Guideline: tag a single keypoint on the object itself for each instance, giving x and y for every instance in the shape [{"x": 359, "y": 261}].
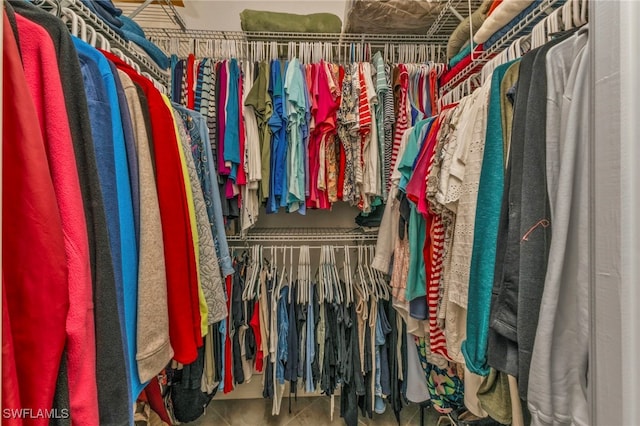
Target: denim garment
[
  {"x": 293, "y": 343},
  {"x": 223, "y": 332},
  {"x": 311, "y": 342},
  {"x": 381, "y": 340},
  {"x": 283, "y": 332},
  {"x": 418, "y": 308}
]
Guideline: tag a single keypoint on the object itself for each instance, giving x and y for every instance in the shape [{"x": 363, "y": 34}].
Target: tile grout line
[
  {"x": 219, "y": 415},
  {"x": 410, "y": 421},
  {"x": 302, "y": 411}
]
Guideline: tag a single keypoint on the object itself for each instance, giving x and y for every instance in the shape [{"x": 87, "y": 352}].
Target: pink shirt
[{"x": 41, "y": 65}]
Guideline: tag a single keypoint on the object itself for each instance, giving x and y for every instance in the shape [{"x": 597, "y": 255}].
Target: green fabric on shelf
[{"x": 256, "y": 20}]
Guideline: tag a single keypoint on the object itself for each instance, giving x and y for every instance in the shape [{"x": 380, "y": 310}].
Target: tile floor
[{"x": 310, "y": 411}]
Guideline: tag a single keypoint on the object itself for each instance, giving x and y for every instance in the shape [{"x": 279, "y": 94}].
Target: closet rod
[
  {"x": 304, "y": 234},
  {"x": 83, "y": 12},
  {"x": 243, "y": 50},
  {"x": 168, "y": 33},
  {"x": 310, "y": 247},
  {"x": 523, "y": 27}
]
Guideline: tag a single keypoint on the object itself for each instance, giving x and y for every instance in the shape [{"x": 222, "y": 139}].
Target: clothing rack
[
  {"x": 204, "y": 43},
  {"x": 521, "y": 28},
  {"x": 123, "y": 47},
  {"x": 304, "y": 235}
]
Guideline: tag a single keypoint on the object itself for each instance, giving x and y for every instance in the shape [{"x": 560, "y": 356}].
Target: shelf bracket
[{"x": 456, "y": 13}]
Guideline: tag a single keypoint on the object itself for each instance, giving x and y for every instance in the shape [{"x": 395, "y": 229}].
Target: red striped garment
[
  {"x": 364, "y": 119},
  {"x": 402, "y": 119},
  {"x": 434, "y": 256}
]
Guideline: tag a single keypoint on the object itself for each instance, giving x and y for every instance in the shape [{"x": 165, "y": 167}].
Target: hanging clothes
[{"x": 35, "y": 211}]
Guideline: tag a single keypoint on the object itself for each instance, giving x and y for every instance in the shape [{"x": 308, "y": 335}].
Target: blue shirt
[
  {"x": 232, "y": 128},
  {"x": 278, "y": 140},
  {"x": 99, "y": 113},
  {"x": 128, "y": 244}
]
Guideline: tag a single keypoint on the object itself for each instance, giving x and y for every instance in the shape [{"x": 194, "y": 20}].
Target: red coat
[{"x": 34, "y": 266}]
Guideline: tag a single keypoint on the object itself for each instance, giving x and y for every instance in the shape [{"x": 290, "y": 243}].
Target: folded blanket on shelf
[
  {"x": 501, "y": 16},
  {"x": 501, "y": 32},
  {"x": 255, "y": 20}
]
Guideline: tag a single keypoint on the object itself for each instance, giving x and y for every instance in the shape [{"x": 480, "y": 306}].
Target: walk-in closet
[{"x": 358, "y": 212}]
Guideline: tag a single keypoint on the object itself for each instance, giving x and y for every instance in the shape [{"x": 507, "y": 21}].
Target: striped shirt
[
  {"x": 434, "y": 255},
  {"x": 402, "y": 118},
  {"x": 389, "y": 119}
]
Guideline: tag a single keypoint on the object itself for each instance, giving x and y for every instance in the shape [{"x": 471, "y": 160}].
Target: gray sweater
[{"x": 153, "y": 350}]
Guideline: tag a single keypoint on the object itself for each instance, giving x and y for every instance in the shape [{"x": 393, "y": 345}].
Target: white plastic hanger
[
  {"x": 347, "y": 274},
  {"x": 335, "y": 277},
  {"x": 566, "y": 13},
  {"x": 361, "y": 275},
  {"x": 584, "y": 12},
  {"x": 104, "y": 43},
  {"x": 383, "y": 288}
]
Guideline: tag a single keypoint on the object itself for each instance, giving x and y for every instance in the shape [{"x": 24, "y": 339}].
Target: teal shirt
[
  {"x": 296, "y": 105},
  {"x": 417, "y": 275},
  {"x": 485, "y": 236}
]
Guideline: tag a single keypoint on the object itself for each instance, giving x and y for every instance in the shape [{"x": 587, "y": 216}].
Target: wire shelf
[
  {"x": 297, "y": 235},
  {"x": 224, "y": 44},
  {"x": 447, "y": 21},
  {"x": 291, "y": 36},
  {"x": 129, "y": 48},
  {"x": 522, "y": 28},
  {"x": 158, "y": 13}
]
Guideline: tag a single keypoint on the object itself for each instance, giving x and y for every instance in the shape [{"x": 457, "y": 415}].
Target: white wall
[
  {"x": 615, "y": 369},
  {"x": 224, "y": 15}
]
